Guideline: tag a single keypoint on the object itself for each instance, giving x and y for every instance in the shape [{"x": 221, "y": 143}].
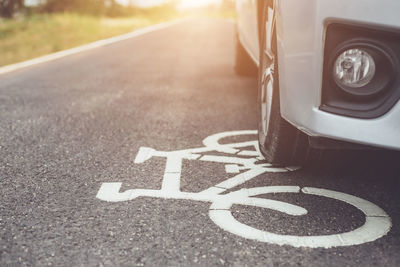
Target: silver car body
[{"x": 301, "y": 27}]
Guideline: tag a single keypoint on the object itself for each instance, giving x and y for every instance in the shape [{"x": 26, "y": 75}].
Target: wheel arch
[{"x": 260, "y": 6}]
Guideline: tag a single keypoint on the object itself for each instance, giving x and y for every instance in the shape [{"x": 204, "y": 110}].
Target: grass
[
  {"x": 41, "y": 34},
  {"x": 29, "y": 37},
  {"x": 226, "y": 14}
]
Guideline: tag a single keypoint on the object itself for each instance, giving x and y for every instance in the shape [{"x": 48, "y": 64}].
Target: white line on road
[{"x": 79, "y": 49}]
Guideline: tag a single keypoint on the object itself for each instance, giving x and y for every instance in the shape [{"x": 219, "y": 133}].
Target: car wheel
[{"x": 280, "y": 142}]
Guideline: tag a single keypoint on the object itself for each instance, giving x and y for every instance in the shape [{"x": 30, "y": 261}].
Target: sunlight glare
[
  {"x": 184, "y": 4},
  {"x": 196, "y": 3}
]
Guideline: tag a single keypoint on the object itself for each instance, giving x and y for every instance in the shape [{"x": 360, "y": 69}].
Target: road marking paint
[
  {"x": 171, "y": 182},
  {"x": 248, "y": 153},
  {"x": 365, "y": 206},
  {"x": 232, "y": 168},
  {"x": 90, "y": 46},
  {"x": 144, "y": 154},
  {"x": 174, "y": 164},
  {"x": 280, "y": 206},
  {"x": 213, "y": 141},
  {"x": 377, "y": 223},
  {"x": 215, "y": 190},
  {"x": 241, "y": 178}
]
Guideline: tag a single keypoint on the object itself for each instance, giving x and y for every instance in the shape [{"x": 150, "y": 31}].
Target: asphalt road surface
[{"x": 70, "y": 125}]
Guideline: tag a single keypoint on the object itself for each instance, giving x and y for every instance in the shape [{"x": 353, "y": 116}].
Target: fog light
[{"x": 354, "y": 68}]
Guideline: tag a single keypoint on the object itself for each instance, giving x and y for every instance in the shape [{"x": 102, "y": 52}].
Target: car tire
[
  {"x": 244, "y": 65},
  {"x": 280, "y": 143}
]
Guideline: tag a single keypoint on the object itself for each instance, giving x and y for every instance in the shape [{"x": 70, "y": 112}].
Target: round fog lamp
[{"x": 354, "y": 68}]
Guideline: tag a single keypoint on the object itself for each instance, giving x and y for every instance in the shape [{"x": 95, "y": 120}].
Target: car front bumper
[{"x": 301, "y": 29}]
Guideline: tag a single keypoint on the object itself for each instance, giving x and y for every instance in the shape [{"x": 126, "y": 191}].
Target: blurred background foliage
[
  {"x": 111, "y": 8},
  {"x": 28, "y": 31},
  {"x": 9, "y": 7}
]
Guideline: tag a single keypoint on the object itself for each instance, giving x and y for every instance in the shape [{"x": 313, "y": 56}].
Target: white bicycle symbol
[{"x": 244, "y": 164}]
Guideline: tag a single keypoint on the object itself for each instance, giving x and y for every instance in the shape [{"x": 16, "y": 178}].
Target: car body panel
[{"x": 248, "y": 26}]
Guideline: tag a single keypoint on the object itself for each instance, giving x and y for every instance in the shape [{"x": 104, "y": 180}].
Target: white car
[{"x": 328, "y": 72}]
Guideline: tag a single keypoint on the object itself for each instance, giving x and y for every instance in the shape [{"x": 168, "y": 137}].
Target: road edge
[{"x": 89, "y": 46}]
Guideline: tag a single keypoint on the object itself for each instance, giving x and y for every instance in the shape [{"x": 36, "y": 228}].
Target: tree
[
  {"x": 93, "y": 7},
  {"x": 9, "y": 7}
]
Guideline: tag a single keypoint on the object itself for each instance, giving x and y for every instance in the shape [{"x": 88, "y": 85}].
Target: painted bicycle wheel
[{"x": 377, "y": 222}]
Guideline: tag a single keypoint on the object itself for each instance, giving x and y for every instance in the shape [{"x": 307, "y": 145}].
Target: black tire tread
[{"x": 284, "y": 144}]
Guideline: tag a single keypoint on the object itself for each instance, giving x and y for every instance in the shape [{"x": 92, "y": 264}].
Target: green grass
[{"x": 41, "y": 34}]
